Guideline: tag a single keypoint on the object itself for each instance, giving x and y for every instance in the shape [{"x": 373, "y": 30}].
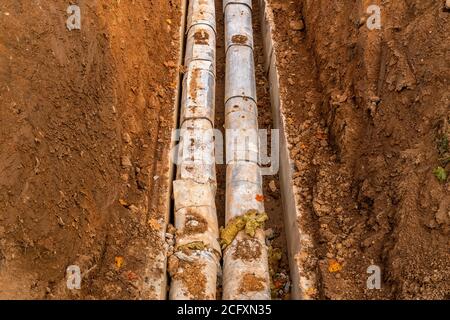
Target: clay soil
[
  {"x": 367, "y": 115},
  {"x": 85, "y": 134},
  {"x": 85, "y": 130}
]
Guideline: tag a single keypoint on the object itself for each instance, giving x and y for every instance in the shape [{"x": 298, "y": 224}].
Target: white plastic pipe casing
[
  {"x": 201, "y": 12},
  {"x": 195, "y": 214},
  {"x": 198, "y": 97},
  {"x": 241, "y": 137},
  {"x": 246, "y": 2},
  {"x": 238, "y": 26},
  {"x": 195, "y": 275},
  {"x": 244, "y": 184},
  {"x": 246, "y": 270},
  {"x": 195, "y": 264},
  {"x": 188, "y": 194},
  {"x": 241, "y": 104},
  {"x": 196, "y": 159},
  {"x": 240, "y": 73},
  {"x": 246, "y": 267},
  {"x": 197, "y": 224},
  {"x": 201, "y": 45},
  {"x": 194, "y": 271}
]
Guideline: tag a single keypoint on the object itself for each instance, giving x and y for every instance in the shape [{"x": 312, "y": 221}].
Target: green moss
[
  {"x": 440, "y": 174},
  {"x": 196, "y": 245}
]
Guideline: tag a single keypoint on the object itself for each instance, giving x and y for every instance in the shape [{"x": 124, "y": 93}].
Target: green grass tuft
[{"x": 440, "y": 174}]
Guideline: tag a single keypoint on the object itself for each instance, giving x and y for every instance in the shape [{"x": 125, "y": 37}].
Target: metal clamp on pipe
[
  {"x": 248, "y": 3},
  {"x": 240, "y": 73},
  {"x": 201, "y": 12},
  {"x": 238, "y": 21}
]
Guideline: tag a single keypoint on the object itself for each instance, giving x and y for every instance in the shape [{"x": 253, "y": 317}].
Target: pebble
[
  {"x": 126, "y": 138},
  {"x": 297, "y": 25},
  {"x": 270, "y": 234},
  {"x": 273, "y": 186},
  {"x": 126, "y": 162},
  {"x": 169, "y": 236}
]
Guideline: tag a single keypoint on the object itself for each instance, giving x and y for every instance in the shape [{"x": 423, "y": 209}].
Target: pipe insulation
[
  {"x": 195, "y": 264},
  {"x": 246, "y": 269}
]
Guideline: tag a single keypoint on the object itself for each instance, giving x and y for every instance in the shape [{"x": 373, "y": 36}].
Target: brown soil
[
  {"x": 201, "y": 37},
  {"x": 239, "y": 39},
  {"x": 85, "y": 131},
  {"x": 251, "y": 283},
  {"x": 195, "y": 223},
  {"x": 247, "y": 250},
  {"x": 271, "y": 185},
  {"x": 365, "y": 110},
  {"x": 192, "y": 277},
  {"x": 219, "y": 121},
  {"x": 85, "y": 126}
]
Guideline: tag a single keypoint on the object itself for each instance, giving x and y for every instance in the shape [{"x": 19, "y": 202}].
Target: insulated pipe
[
  {"x": 240, "y": 72},
  {"x": 246, "y": 269},
  {"x": 195, "y": 263},
  {"x": 238, "y": 19}
]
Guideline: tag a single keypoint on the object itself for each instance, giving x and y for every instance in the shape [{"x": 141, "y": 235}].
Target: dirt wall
[
  {"x": 368, "y": 113},
  {"x": 85, "y": 130}
]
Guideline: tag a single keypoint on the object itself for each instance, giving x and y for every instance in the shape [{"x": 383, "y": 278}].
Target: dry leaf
[
  {"x": 334, "y": 266},
  {"x": 118, "y": 262},
  {"x": 259, "y": 197}
]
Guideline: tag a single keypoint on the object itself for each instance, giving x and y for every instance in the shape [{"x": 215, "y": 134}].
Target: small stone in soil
[{"x": 297, "y": 25}]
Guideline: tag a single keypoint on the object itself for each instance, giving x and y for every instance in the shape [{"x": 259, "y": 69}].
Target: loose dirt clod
[
  {"x": 192, "y": 277},
  {"x": 239, "y": 39},
  {"x": 251, "y": 283},
  {"x": 195, "y": 223},
  {"x": 201, "y": 37},
  {"x": 247, "y": 250}
]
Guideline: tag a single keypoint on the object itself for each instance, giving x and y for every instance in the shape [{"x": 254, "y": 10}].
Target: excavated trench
[
  {"x": 86, "y": 135},
  {"x": 275, "y": 237}
]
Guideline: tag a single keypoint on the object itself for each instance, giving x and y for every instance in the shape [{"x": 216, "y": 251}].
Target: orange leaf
[
  {"x": 334, "y": 266},
  {"x": 259, "y": 197},
  {"x": 118, "y": 261}
]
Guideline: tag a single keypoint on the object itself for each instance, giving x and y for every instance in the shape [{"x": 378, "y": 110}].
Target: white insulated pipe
[
  {"x": 195, "y": 264},
  {"x": 246, "y": 269}
]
